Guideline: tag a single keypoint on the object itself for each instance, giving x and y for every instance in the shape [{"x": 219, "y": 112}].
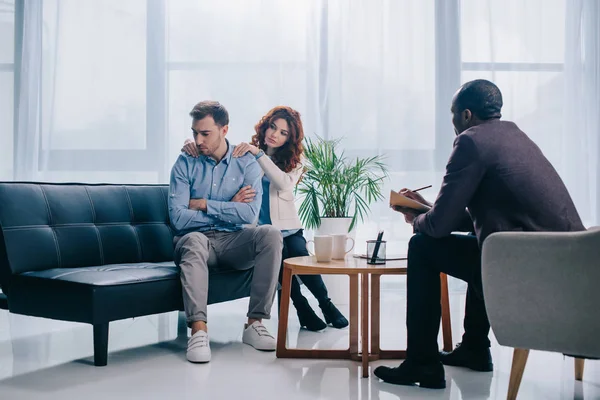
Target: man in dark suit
[{"x": 496, "y": 179}]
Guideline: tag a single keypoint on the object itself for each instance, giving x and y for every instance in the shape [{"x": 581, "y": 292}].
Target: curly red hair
[{"x": 288, "y": 156}]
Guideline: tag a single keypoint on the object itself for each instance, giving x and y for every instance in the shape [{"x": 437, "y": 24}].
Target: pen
[
  {"x": 424, "y": 187},
  {"x": 376, "y": 249}
]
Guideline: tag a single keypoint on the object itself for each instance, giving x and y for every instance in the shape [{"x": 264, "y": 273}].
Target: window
[
  {"x": 522, "y": 50},
  {"x": 94, "y": 89},
  {"x": 250, "y": 56},
  {"x": 97, "y": 72}
]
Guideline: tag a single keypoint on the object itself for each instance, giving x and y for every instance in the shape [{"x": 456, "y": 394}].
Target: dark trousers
[
  {"x": 295, "y": 246},
  {"x": 458, "y": 256}
]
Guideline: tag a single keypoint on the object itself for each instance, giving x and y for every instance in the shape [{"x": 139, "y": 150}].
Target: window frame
[{"x": 150, "y": 159}]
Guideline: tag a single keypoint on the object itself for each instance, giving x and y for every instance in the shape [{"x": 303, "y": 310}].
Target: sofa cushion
[
  {"x": 115, "y": 274},
  {"x": 111, "y": 292}
]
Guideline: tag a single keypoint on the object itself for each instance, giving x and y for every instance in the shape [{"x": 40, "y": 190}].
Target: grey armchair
[{"x": 542, "y": 292}]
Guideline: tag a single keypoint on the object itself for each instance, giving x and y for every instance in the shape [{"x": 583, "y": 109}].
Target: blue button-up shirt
[{"x": 203, "y": 178}]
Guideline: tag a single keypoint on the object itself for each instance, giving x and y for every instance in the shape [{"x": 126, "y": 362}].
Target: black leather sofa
[{"x": 94, "y": 253}]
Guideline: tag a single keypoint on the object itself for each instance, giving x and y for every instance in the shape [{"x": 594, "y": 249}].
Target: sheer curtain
[
  {"x": 106, "y": 87},
  {"x": 7, "y": 76},
  {"x": 581, "y": 129},
  {"x": 544, "y": 55}
]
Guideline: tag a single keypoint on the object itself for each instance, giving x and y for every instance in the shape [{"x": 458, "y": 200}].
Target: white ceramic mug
[
  {"x": 323, "y": 247},
  {"x": 339, "y": 246}
]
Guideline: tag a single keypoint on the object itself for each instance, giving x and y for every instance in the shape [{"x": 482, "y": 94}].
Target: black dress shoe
[
  {"x": 333, "y": 316},
  {"x": 477, "y": 359},
  {"x": 429, "y": 376},
  {"x": 308, "y": 319}
]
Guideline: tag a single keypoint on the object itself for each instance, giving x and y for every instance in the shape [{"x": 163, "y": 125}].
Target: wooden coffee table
[{"x": 354, "y": 268}]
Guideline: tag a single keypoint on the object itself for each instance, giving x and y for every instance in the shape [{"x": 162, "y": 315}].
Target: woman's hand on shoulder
[
  {"x": 190, "y": 148},
  {"x": 244, "y": 148}
]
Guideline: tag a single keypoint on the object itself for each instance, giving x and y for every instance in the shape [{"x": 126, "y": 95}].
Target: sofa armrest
[{"x": 542, "y": 290}]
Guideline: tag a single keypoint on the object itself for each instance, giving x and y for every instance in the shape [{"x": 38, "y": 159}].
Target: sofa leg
[
  {"x": 100, "y": 344},
  {"x": 182, "y": 328},
  {"x": 579, "y": 363},
  {"x": 516, "y": 372}
]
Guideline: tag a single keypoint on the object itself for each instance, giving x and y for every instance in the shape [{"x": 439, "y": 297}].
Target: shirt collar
[{"x": 226, "y": 158}]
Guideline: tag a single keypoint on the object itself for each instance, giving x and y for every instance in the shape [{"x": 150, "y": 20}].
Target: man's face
[{"x": 208, "y": 135}]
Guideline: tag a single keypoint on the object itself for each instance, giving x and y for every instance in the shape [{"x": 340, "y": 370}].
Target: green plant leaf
[{"x": 334, "y": 186}]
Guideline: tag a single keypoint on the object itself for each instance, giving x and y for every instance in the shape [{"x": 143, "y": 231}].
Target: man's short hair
[
  {"x": 211, "y": 108},
  {"x": 481, "y": 97}
]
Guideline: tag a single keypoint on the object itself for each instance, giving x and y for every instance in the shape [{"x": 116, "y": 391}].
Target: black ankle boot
[
  {"x": 333, "y": 316},
  {"x": 429, "y": 376},
  {"x": 308, "y": 319}
]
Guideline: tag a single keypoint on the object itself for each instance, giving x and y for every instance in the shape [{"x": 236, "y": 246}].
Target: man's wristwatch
[{"x": 259, "y": 154}]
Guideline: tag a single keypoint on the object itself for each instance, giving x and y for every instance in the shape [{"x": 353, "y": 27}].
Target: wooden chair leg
[
  {"x": 446, "y": 321},
  {"x": 579, "y": 363},
  {"x": 516, "y": 372}
]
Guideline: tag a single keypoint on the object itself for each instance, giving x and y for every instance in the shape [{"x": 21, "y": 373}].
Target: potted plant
[{"x": 337, "y": 191}]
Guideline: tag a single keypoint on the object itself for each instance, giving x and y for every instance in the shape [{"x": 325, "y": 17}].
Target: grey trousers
[{"x": 259, "y": 247}]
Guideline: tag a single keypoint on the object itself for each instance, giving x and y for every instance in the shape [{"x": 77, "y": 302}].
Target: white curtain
[
  {"x": 544, "y": 57},
  {"x": 31, "y": 159},
  {"x": 581, "y": 129},
  {"x": 7, "y": 76},
  {"x": 118, "y": 79}
]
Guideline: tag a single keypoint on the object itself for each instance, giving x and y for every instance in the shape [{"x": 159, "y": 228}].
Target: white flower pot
[{"x": 338, "y": 286}]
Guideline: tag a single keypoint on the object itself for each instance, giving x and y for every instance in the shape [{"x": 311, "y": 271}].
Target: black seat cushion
[
  {"x": 113, "y": 274},
  {"x": 113, "y": 292}
]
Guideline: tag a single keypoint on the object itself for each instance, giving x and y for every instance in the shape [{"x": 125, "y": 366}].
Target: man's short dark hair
[
  {"x": 481, "y": 97},
  {"x": 211, "y": 108}
]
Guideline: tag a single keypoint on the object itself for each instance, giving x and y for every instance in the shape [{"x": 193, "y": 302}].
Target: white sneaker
[
  {"x": 198, "y": 350},
  {"x": 257, "y": 336}
]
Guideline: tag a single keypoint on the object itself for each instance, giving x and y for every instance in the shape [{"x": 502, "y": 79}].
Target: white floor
[{"x": 44, "y": 359}]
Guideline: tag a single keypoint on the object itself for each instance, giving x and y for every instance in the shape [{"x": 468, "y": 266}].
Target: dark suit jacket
[{"x": 505, "y": 183}]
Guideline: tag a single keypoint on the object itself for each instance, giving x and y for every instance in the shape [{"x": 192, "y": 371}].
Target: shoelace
[{"x": 262, "y": 331}]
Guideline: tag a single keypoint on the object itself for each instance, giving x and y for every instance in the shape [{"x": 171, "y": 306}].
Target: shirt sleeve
[
  {"x": 181, "y": 217},
  {"x": 464, "y": 172},
  {"x": 235, "y": 212}
]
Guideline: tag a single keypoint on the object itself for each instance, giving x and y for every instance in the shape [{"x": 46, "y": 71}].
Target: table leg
[
  {"x": 286, "y": 290},
  {"x": 354, "y": 296},
  {"x": 375, "y": 313},
  {"x": 446, "y": 322},
  {"x": 376, "y": 352},
  {"x": 365, "y": 324}
]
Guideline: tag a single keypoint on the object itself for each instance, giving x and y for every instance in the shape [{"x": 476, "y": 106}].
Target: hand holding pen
[{"x": 412, "y": 194}]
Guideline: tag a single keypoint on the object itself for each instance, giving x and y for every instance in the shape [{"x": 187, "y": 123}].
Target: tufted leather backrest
[{"x": 48, "y": 225}]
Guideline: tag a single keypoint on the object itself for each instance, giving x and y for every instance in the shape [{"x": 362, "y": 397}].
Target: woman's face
[{"x": 277, "y": 133}]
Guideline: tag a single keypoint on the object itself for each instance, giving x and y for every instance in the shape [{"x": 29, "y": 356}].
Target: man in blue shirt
[{"x": 210, "y": 199}]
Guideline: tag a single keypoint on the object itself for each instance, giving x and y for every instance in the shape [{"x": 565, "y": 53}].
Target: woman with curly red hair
[{"x": 277, "y": 146}]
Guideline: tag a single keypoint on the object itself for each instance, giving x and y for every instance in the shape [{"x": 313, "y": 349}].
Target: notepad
[{"x": 399, "y": 200}]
